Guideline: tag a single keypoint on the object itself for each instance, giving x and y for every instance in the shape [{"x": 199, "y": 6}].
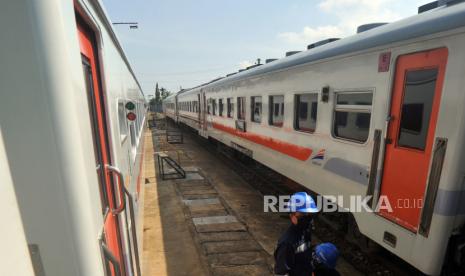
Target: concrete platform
[{"x": 211, "y": 223}]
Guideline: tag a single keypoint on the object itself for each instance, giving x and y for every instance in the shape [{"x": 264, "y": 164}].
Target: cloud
[
  {"x": 310, "y": 34},
  {"x": 244, "y": 64},
  {"x": 348, "y": 15},
  {"x": 330, "y": 5}
]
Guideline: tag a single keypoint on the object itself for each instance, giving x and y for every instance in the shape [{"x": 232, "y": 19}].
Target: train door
[
  {"x": 204, "y": 111},
  {"x": 199, "y": 113},
  {"x": 111, "y": 239},
  {"x": 414, "y": 110},
  {"x": 176, "y": 116},
  {"x": 203, "y": 114}
]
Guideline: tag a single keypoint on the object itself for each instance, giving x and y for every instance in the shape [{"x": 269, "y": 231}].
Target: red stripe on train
[{"x": 297, "y": 152}]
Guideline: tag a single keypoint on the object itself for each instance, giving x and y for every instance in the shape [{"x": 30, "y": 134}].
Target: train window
[
  {"x": 352, "y": 115},
  {"x": 306, "y": 109},
  {"x": 230, "y": 102},
  {"x": 220, "y": 106},
  {"x": 209, "y": 106},
  {"x": 241, "y": 108},
  {"x": 137, "y": 118},
  {"x": 132, "y": 131},
  {"x": 214, "y": 106},
  {"x": 256, "y": 106},
  {"x": 123, "y": 127},
  {"x": 276, "y": 114},
  {"x": 416, "y": 108}
]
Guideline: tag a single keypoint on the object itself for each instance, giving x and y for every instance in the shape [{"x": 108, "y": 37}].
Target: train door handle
[{"x": 122, "y": 199}]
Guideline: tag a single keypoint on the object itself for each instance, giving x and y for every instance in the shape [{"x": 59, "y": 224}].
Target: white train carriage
[
  {"x": 71, "y": 116},
  {"x": 379, "y": 113},
  {"x": 169, "y": 106}
]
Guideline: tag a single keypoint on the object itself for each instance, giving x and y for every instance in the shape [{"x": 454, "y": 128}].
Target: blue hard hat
[
  {"x": 303, "y": 203},
  {"x": 327, "y": 254}
]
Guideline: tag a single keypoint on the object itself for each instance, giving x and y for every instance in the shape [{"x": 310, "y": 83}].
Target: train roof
[{"x": 438, "y": 20}]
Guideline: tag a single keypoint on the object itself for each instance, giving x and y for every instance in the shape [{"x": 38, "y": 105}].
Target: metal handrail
[
  {"x": 122, "y": 199},
  {"x": 123, "y": 192},
  {"x": 133, "y": 231},
  {"x": 110, "y": 257}
]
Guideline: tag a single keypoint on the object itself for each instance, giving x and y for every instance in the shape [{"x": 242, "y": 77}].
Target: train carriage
[
  {"x": 376, "y": 114},
  {"x": 71, "y": 116}
]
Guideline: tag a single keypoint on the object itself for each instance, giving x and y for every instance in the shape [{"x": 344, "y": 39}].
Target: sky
[{"x": 184, "y": 43}]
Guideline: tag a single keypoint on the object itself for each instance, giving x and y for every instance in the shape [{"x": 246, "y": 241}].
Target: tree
[
  {"x": 164, "y": 93},
  {"x": 157, "y": 94}
]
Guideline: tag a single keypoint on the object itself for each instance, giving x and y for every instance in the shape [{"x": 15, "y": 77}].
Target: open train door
[
  {"x": 111, "y": 239},
  {"x": 414, "y": 111}
]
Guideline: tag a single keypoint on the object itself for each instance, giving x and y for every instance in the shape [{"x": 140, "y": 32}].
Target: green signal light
[{"x": 130, "y": 106}]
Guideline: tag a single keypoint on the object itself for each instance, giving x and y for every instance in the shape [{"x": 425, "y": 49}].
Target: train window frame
[
  {"x": 241, "y": 106},
  {"x": 122, "y": 122},
  {"x": 296, "y": 104},
  {"x": 214, "y": 107},
  {"x": 230, "y": 107},
  {"x": 220, "y": 107},
  {"x": 271, "y": 110},
  {"x": 352, "y": 108},
  {"x": 252, "y": 109}
]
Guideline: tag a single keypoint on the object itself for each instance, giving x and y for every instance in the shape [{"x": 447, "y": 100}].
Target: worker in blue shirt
[{"x": 293, "y": 255}]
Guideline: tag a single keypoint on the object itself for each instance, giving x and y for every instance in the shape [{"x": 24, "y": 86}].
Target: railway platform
[{"x": 211, "y": 222}]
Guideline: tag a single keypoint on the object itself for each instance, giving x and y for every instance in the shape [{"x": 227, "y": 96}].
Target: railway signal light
[
  {"x": 130, "y": 106},
  {"x": 131, "y": 116}
]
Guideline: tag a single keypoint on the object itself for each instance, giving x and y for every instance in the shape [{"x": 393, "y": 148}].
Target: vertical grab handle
[
  {"x": 122, "y": 199},
  {"x": 108, "y": 256}
]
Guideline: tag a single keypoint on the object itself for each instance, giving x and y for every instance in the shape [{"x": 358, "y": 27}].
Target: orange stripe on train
[{"x": 297, "y": 152}]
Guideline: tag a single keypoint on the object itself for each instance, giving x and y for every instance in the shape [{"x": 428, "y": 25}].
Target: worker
[
  {"x": 293, "y": 253},
  {"x": 324, "y": 259}
]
